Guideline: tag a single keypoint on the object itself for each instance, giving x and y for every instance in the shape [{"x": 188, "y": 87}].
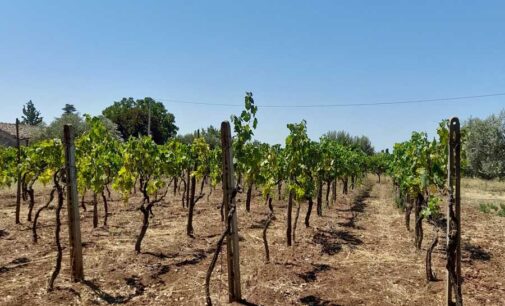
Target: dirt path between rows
[
  {"x": 386, "y": 269},
  {"x": 377, "y": 263}
]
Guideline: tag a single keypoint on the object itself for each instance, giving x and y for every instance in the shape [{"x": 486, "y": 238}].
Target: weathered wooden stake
[
  {"x": 74, "y": 227},
  {"x": 453, "y": 284},
  {"x": 18, "y": 193},
  {"x": 233, "y": 258}
]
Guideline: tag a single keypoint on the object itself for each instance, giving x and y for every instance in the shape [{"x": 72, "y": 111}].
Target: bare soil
[{"x": 358, "y": 253}]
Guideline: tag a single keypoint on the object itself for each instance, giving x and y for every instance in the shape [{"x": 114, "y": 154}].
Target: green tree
[
  {"x": 55, "y": 128},
  {"x": 341, "y": 137},
  {"x": 31, "y": 115},
  {"x": 211, "y": 135},
  {"x": 132, "y": 116},
  {"x": 363, "y": 143},
  {"x": 485, "y": 146},
  {"x": 356, "y": 142},
  {"x": 69, "y": 109}
]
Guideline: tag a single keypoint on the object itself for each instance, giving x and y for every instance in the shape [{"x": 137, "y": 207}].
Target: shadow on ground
[
  {"x": 133, "y": 282},
  {"x": 311, "y": 276},
  {"x": 358, "y": 206},
  {"x": 476, "y": 252},
  {"x": 332, "y": 240},
  {"x": 313, "y": 300}
]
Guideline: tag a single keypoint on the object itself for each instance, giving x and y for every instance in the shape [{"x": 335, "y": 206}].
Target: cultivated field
[{"x": 358, "y": 253}]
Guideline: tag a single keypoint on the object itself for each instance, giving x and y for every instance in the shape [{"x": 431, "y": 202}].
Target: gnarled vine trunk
[
  {"x": 265, "y": 228},
  {"x": 296, "y": 221},
  {"x": 309, "y": 211},
  {"x": 188, "y": 186},
  {"x": 37, "y": 215},
  {"x": 83, "y": 205},
  {"x": 248, "y": 198},
  {"x": 106, "y": 208},
  {"x": 145, "y": 224},
  {"x": 430, "y": 276},
  {"x": 31, "y": 197},
  {"x": 320, "y": 197},
  {"x": 109, "y": 195},
  {"x": 408, "y": 211},
  {"x": 290, "y": 212},
  {"x": 202, "y": 184},
  {"x": 95, "y": 210},
  {"x": 345, "y": 183},
  {"x": 189, "y": 227},
  {"x": 334, "y": 190},
  {"x": 419, "y": 221},
  {"x": 328, "y": 193},
  {"x": 213, "y": 262},
  {"x": 146, "y": 210},
  {"x": 183, "y": 200},
  {"x": 23, "y": 187},
  {"x": 57, "y": 230},
  {"x": 279, "y": 190}
]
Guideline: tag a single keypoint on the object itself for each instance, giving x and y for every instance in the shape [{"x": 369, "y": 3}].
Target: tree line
[
  {"x": 484, "y": 142},
  {"x": 125, "y": 118}
]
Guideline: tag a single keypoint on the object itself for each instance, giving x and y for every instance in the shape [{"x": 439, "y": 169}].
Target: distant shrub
[
  {"x": 488, "y": 208},
  {"x": 485, "y": 146},
  {"x": 501, "y": 213}
]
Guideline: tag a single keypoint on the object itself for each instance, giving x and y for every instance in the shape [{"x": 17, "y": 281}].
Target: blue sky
[{"x": 91, "y": 53}]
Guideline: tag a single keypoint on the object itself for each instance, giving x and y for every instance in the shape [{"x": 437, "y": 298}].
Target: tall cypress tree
[{"x": 31, "y": 115}]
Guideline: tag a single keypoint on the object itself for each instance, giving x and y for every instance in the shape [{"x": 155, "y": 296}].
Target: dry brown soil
[{"x": 358, "y": 253}]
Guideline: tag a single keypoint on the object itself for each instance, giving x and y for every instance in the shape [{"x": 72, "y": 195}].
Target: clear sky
[{"x": 91, "y": 53}]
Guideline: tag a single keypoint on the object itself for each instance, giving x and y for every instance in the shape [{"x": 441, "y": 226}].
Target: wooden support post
[
  {"x": 457, "y": 186},
  {"x": 18, "y": 192},
  {"x": 233, "y": 258},
  {"x": 453, "y": 284},
  {"x": 74, "y": 227}
]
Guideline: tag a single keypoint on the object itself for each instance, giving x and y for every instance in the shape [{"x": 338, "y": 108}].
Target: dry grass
[{"x": 491, "y": 187}]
